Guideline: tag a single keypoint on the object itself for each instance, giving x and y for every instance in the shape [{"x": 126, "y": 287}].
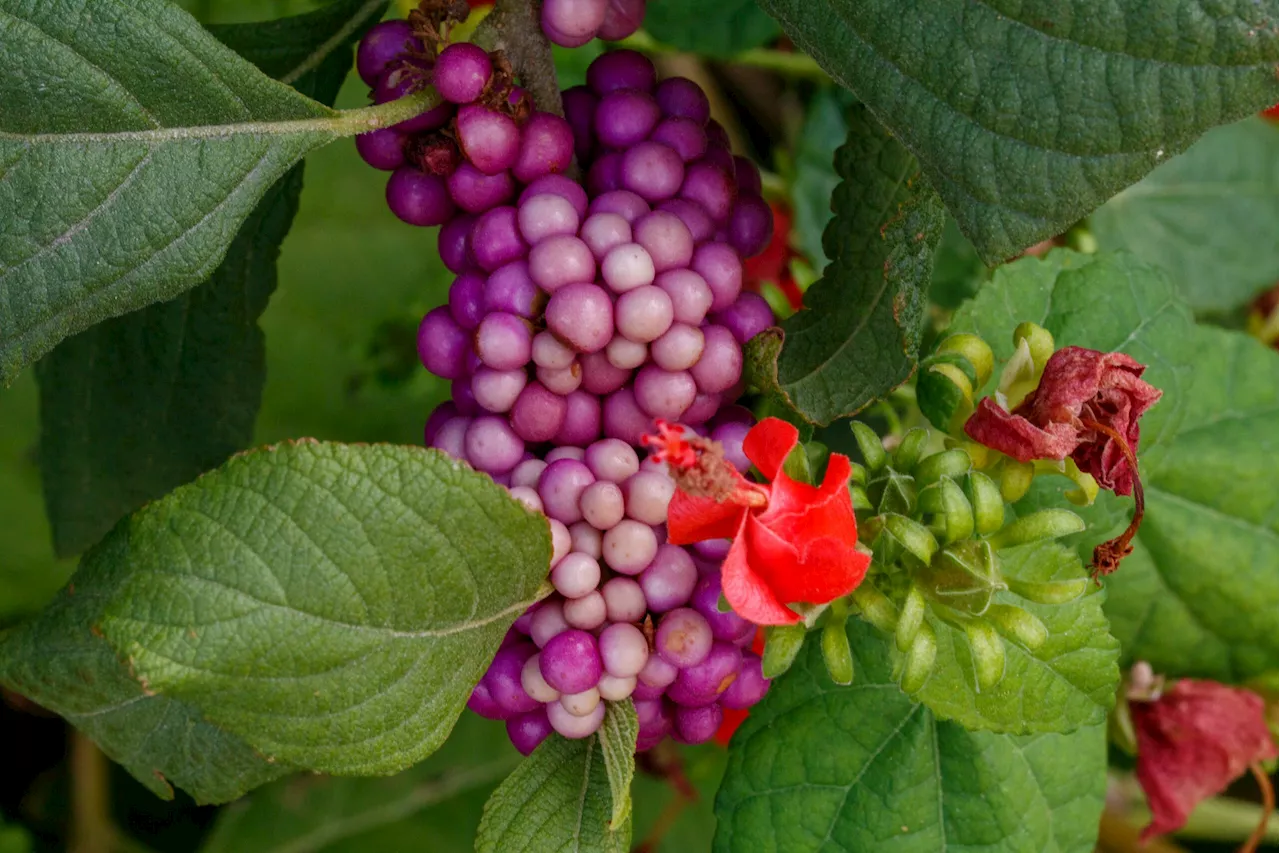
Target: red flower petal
[
  {"x": 694, "y": 519},
  {"x": 809, "y": 568},
  {"x": 768, "y": 443},
  {"x": 1192, "y": 742},
  {"x": 745, "y": 589}
]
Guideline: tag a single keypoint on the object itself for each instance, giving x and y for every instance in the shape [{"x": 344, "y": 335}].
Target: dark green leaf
[
  {"x": 958, "y": 272},
  {"x": 716, "y": 27},
  {"x": 1068, "y": 682},
  {"x": 863, "y": 769},
  {"x": 558, "y": 799},
  {"x": 859, "y": 332},
  {"x": 137, "y": 405},
  {"x": 1028, "y": 115},
  {"x": 1207, "y": 217},
  {"x": 149, "y": 141},
  {"x": 329, "y": 605},
  {"x": 1198, "y": 595}
]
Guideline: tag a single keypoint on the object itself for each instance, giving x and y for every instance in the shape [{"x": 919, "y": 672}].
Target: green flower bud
[
  {"x": 875, "y": 607},
  {"x": 870, "y": 529},
  {"x": 987, "y": 650},
  {"x": 1018, "y": 625},
  {"x": 975, "y": 350},
  {"x": 952, "y": 514},
  {"x": 858, "y": 495},
  {"x": 836, "y": 653},
  {"x": 781, "y": 645},
  {"x": 869, "y": 443},
  {"x": 1015, "y": 479},
  {"x": 857, "y": 473},
  {"x": 1039, "y": 342},
  {"x": 910, "y": 619},
  {"x": 796, "y": 465},
  {"x": 910, "y": 449},
  {"x": 964, "y": 576},
  {"x": 986, "y": 502},
  {"x": 893, "y": 492},
  {"x": 953, "y": 463},
  {"x": 1049, "y": 592},
  {"x": 919, "y": 660},
  {"x": 913, "y": 536},
  {"x": 945, "y": 389},
  {"x": 816, "y": 453},
  {"x": 1045, "y": 524}
]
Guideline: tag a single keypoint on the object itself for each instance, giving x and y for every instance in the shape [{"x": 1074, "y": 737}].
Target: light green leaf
[
  {"x": 1208, "y": 217},
  {"x": 859, "y": 332},
  {"x": 864, "y": 769},
  {"x": 1028, "y": 115},
  {"x": 138, "y": 405},
  {"x": 150, "y": 141},
  {"x": 1068, "y": 682},
  {"x": 313, "y": 605},
  {"x": 1198, "y": 595},
  {"x": 618, "y": 735},
  {"x": 558, "y": 799},
  {"x": 715, "y": 27}
]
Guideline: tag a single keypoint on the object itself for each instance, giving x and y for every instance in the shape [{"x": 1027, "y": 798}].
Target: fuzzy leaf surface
[
  {"x": 1026, "y": 116},
  {"x": 557, "y": 801},
  {"x": 1207, "y": 217},
  {"x": 312, "y": 605},
  {"x": 859, "y": 332},
  {"x": 821, "y": 767},
  {"x": 146, "y": 141},
  {"x": 140, "y": 404}
]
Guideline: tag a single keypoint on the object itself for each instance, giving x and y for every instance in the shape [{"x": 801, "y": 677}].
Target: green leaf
[
  {"x": 1197, "y": 597},
  {"x": 715, "y": 27},
  {"x": 815, "y": 181},
  {"x": 151, "y": 143},
  {"x": 1068, "y": 682},
  {"x": 558, "y": 799},
  {"x": 14, "y": 839},
  {"x": 1207, "y": 217},
  {"x": 618, "y": 735},
  {"x": 859, "y": 332},
  {"x": 1027, "y": 116},
  {"x": 440, "y": 799},
  {"x": 138, "y": 405},
  {"x": 312, "y": 605},
  {"x": 864, "y": 768}
]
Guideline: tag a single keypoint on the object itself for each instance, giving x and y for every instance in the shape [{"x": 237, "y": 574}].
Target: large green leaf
[
  {"x": 558, "y": 799},
  {"x": 1068, "y": 682},
  {"x": 313, "y": 605},
  {"x": 864, "y": 769},
  {"x": 716, "y": 27},
  {"x": 137, "y": 405},
  {"x": 1208, "y": 217},
  {"x": 1198, "y": 596},
  {"x": 859, "y": 332},
  {"x": 1027, "y": 115},
  {"x": 147, "y": 143}
]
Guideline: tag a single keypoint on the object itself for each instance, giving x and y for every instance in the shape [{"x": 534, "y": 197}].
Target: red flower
[
  {"x": 1087, "y": 407},
  {"x": 792, "y": 542},
  {"x": 1193, "y": 741}
]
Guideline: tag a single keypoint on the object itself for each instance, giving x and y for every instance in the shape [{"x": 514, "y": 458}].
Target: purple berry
[
  {"x": 503, "y": 341},
  {"x": 503, "y": 680},
  {"x": 466, "y": 300},
  {"x": 691, "y": 296},
  {"x": 561, "y": 260},
  {"x": 643, "y": 314},
  {"x": 679, "y": 96},
  {"x": 684, "y": 136},
  {"x": 651, "y": 170},
  {"x": 559, "y": 185},
  {"x": 748, "y": 316},
  {"x": 623, "y": 649},
  {"x": 526, "y": 731},
  {"x": 729, "y": 627},
  {"x": 626, "y": 266},
  {"x": 483, "y": 704},
  {"x": 442, "y": 344},
  {"x": 747, "y": 175},
  {"x": 492, "y": 446},
  {"x": 574, "y": 728},
  {"x": 693, "y": 215},
  {"x": 510, "y": 289},
  {"x": 579, "y": 111},
  {"x": 418, "y": 198},
  {"x": 623, "y": 417},
  {"x": 703, "y": 683},
  {"x": 749, "y": 687},
  {"x": 697, "y": 725},
  {"x": 586, "y": 613},
  {"x": 451, "y": 437},
  {"x": 621, "y": 19},
  {"x": 612, "y": 460},
  {"x": 461, "y": 73},
  {"x": 620, "y": 69},
  {"x": 629, "y": 546},
  {"x": 599, "y": 376},
  {"x": 570, "y": 661},
  {"x": 679, "y": 348},
  {"x": 547, "y": 621},
  {"x": 489, "y": 139},
  {"x": 683, "y": 638},
  {"x": 581, "y": 315},
  {"x": 546, "y": 147},
  {"x": 572, "y": 23},
  {"x": 576, "y": 574},
  {"x": 476, "y": 192},
  {"x": 546, "y": 215},
  {"x": 750, "y": 225},
  {"x": 496, "y": 240},
  {"x": 561, "y": 486},
  {"x": 625, "y": 203},
  {"x": 624, "y": 600},
  {"x": 625, "y": 117},
  {"x": 710, "y": 186},
  {"x": 664, "y": 394},
  {"x": 582, "y": 420},
  {"x": 453, "y": 244},
  {"x": 720, "y": 367},
  {"x": 382, "y": 149},
  {"x": 669, "y": 580},
  {"x": 383, "y": 43},
  {"x": 536, "y": 416}
]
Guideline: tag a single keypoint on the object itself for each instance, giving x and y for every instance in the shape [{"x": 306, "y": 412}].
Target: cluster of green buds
[
  {"x": 935, "y": 526},
  {"x": 950, "y": 383}
]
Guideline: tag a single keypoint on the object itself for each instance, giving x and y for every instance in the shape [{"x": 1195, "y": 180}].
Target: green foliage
[
  {"x": 814, "y": 183},
  {"x": 858, "y": 335},
  {"x": 330, "y": 605},
  {"x": 1067, "y": 682},
  {"x": 1198, "y": 595},
  {"x": 618, "y": 735},
  {"x": 715, "y": 27},
  {"x": 1208, "y": 217},
  {"x": 151, "y": 173},
  {"x": 863, "y": 767},
  {"x": 1026, "y": 117},
  {"x": 558, "y": 799},
  {"x": 14, "y": 839},
  {"x": 137, "y": 405}
]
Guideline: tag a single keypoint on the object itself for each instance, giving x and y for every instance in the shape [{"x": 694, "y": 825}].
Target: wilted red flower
[
  {"x": 792, "y": 542},
  {"x": 1087, "y": 407},
  {"x": 1193, "y": 741}
]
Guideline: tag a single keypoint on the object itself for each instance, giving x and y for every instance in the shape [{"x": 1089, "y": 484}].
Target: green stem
[{"x": 785, "y": 63}]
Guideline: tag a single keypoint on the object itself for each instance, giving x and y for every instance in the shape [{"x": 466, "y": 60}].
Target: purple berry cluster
[
  {"x": 578, "y": 317},
  {"x": 573, "y": 23}
]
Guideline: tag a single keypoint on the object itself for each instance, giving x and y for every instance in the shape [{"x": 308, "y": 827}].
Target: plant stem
[
  {"x": 513, "y": 27},
  {"x": 91, "y": 829}
]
